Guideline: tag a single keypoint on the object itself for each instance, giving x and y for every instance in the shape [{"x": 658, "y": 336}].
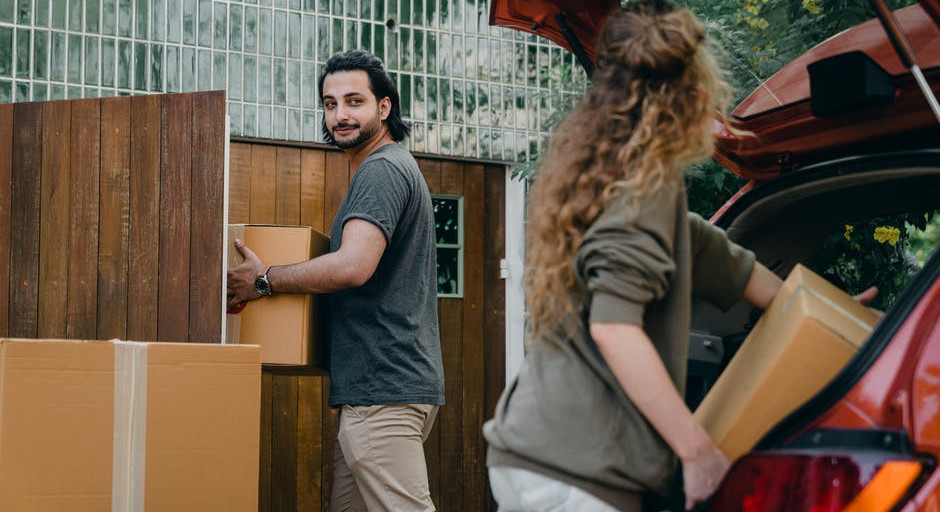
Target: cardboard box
[
  {"x": 808, "y": 333},
  {"x": 120, "y": 426},
  {"x": 286, "y": 326}
]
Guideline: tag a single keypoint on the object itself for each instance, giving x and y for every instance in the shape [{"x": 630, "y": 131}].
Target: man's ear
[{"x": 385, "y": 108}]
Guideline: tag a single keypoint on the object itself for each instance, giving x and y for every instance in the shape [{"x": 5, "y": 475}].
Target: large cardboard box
[
  {"x": 808, "y": 333},
  {"x": 121, "y": 426},
  {"x": 288, "y": 327}
]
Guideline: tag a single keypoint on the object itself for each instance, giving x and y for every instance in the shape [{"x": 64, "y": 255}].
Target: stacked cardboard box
[
  {"x": 808, "y": 333},
  {"x": 120, "y": 426},
  {"x": 288, "y": 327}
]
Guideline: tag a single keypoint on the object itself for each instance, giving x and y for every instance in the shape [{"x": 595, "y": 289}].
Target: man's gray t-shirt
[{"x": 385, "y": 343}]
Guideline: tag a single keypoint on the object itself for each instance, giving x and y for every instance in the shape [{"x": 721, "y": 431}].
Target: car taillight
[{"x": 801, "y": 482}]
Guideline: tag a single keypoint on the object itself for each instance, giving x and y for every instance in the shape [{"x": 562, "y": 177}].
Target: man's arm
[{"x": 350, "y": 266}]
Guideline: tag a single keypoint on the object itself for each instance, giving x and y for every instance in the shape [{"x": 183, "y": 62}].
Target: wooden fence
[{"x": 111, "y": 219}]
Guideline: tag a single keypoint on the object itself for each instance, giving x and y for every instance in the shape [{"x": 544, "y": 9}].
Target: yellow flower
[
  {"x": 848, "y": 231},
  {"x": 812, "y": 6},
  {"x": 753, "y": 9},
  {"x": 887, "y": 234},
  {"x": 762, "y": 24}
]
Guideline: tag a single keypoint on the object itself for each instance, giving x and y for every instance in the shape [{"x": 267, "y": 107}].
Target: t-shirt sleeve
[
  {"x": 379, "y": 195},
  {"x": 625, "y": 264},
  {"x": 720, "y": 268}
]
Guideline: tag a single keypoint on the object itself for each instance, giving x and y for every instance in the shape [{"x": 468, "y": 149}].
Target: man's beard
[{"x": 366, "y": 132}]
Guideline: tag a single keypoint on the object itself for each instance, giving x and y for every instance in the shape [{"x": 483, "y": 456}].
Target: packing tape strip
[
  {"x": 829, "y": 302},
  {"x": 130, "y": 426}
]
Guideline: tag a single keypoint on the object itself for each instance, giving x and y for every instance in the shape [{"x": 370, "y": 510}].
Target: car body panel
[
  {"x": 585, "y": 18},
  {"x": 786, "y": 133},
  {"x": 807, "y": 175}
]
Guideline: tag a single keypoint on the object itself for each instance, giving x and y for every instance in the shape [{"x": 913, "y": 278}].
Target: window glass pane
[
  {"x": 446, "y": 219},
  {"x": 448, "y": 272},
  {"x": 449, "y": 240}
]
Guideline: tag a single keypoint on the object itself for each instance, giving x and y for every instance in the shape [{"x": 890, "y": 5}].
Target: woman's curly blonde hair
[{"x": 650, "y": 111}]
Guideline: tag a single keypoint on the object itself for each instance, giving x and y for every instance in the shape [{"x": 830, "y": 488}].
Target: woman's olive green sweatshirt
[{"x": 566, "y": 415}]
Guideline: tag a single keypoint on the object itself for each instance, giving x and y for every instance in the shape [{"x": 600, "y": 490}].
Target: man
[{"x": 386, "y": 371}]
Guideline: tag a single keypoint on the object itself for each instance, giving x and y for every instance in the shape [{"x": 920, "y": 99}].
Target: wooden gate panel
[
  {"x": 207, "y": 223},
  {"x": 288, "y": 186},
  {"x": 263, "y": 184},
  {"x": 100, "y": 207},
  {"x": 494, "y": 302},
  {"x": 449, "y": 426},
  {"x": 114, "y": 209},
  {"x": 54, "y": 226},
  {"x": 144, "y": 202},
  {"x": 84, "y": 161},
  {"x": 24, "y": 220},
  {"x": 6, "y": 167},
  {"x": 175, "y": 208},
  {"x": 312, "y": 183},
  {"x": 239, "y": 183},
  {"x": 473, "y": 348}
]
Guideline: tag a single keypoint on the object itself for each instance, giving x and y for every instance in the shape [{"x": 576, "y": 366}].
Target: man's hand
[{"x": 240, "y": 280}]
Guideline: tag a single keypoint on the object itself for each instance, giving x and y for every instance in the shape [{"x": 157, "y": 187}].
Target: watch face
[{"x": 263, "y": 286}]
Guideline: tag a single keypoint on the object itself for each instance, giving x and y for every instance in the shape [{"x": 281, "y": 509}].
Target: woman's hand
[{"x": 702, "y": 474}]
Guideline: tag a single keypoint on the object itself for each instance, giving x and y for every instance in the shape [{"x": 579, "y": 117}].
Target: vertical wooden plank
[
  {"x": 309, "y": 442},
  {"x": 143, "y": 257},
  {"x": 205, "y": 278},
  {"x": 494, "y": 305},
  {"x": 85, "y": 166},
  {"x": 452, "y": 178},
  {"x": 54, "y": 226},
  {"x": 24, "y": 220},
  {"x": 239, "y": 183},
  {"x": 267, "y": 423},
  {"x": 6, "y": 175},
  {"x": 263, "y": 184},
  {"x": 312, "y": 174},
  {"x": 287, "y": 202},
  {"x": 336, "y": 183},
  {"x": 115, "y": 217},
  {"x": 473, "y": 347},
  {"x": 284, "y": 443},
  {"x": 452, "y": 479},
  {"x": 175, "y": 201},
  {"x": 431, "y": 170}
]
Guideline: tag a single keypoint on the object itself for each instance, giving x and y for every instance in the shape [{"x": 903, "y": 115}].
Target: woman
[{"x": 594, "y": 419}]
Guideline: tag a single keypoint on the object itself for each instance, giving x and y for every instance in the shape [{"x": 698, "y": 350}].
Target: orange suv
[{"x": 846, "y": 132}]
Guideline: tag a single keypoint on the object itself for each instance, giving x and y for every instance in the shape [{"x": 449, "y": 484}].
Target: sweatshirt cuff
[{"x": 606, "y": 308}]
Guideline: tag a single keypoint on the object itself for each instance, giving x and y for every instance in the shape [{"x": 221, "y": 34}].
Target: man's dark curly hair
[{"x": 380, "y": 83}]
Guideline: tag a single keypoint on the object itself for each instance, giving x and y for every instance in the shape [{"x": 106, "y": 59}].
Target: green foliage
[
  {"x": 708, "y": 186},
  {"x": 761, "y": 36},
  {"x": 923, "y": 240},
  {"x": 877, "y": 252}
]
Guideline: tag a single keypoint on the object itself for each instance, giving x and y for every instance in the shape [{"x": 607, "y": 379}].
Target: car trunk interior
[{"x": 787, "y": 220}]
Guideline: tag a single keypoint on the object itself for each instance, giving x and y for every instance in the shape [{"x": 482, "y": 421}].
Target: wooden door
[{"x": 304, "y": 184}]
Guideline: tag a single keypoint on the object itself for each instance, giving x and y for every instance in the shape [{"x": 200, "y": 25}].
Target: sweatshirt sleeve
[
  {"x": 626, "y": 261},
  {"x": 720, "y": 268}
]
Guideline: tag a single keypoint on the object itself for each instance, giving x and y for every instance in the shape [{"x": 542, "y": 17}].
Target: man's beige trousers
[{"x": 378, "y": 462}]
